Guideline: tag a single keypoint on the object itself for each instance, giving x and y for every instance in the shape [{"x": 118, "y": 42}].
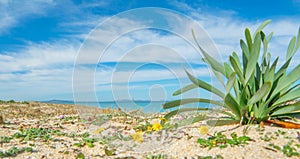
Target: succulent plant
[{"x": 255, "y": 90}]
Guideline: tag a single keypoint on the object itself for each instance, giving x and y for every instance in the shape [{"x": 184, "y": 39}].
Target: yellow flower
[
  {"x": 214, "y": 142},
  {"x": 138, "y": 136},
  {"x": 163, "y": 120},
  {"x": 98, "y": 131},
  {"x": 203, "y": 130},
  {"x": 156, "y": 127},
  {"x": 149, "y": 128}
]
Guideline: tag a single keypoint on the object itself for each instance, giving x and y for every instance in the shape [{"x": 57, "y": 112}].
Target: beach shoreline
[{"x": 112, "y": 131}]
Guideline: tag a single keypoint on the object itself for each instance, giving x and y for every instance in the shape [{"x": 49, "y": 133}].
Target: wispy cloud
[
  {"x": 46, "y": 68},
  {"x": 13, "y": 12}
]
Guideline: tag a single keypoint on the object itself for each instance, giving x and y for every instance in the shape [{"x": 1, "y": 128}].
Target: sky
[{"x": 120, "y": 50}]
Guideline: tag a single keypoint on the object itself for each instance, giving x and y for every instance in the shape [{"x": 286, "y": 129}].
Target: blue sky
[{"x": 40, "y": 41}]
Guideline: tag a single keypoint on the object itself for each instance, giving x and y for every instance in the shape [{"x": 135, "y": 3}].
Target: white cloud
[
  {"x": 38, "y": 56},
  {"x": 12, "y": 12},
  {"x": 49, "y": 64}
]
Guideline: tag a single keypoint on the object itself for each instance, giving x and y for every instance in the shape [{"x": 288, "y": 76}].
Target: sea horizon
[{"x": 146, "y": 106}]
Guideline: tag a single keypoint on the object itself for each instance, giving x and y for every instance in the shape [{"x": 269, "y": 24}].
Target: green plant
[
  {"x": 5, "y": 139},
  {"x": 33, "y": 133},
  {"x": 211, "y": 157},
  {"x": 255, "y": 90},
  {"x": 14, "y": 151},
  {"x": 86, "y": 141},
  {"x": 80, "y": 156},
  {"x": 267, "y": 137},
  {"x": 159, "y": 156},
  {"x": 221, "y": 141},
  {"x": 37, "y": 133},
  {"x": 288, "y": 149}
]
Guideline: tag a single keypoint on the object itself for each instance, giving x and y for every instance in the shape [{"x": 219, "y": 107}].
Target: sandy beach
[{"x": 39, "y": 130}]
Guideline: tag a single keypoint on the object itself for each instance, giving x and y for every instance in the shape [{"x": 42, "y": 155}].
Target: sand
[{"x": 113, "y": 131}]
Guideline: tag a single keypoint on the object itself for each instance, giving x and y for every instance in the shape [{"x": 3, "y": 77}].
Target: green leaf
[
  {"x": 265, "y": 43},
  {"x": 260, "y": 28},
  {"x": 289, "y": 97},
  {"x": 244, "y": 48},
  {"x": 191, "y": 120},
  {"x": 176, "y": 103},
  {"x": 269, "y": 37},
  {"x": 212, "y": 62},
  {"x": 287, "y": 109},
  {"x": 175, "y": 112},
  {"x": 232, "y": 105},
  {"x": 109, "y": 152},
  {"x": 288, "y": 115},
  {"x": 248, "y": 39},
  {"x": 80, "y": 156},
  {"x": 260, "y": 94},
  {"x": 288, "y": 80},
  {"x": 185, "y": 89},
  {"x": 290, "y": 49},
  {"x": 221, "y": 122},
  {"x": 230, "y": 82},
  {"x": 219, "y": 77},
  {"x": 205, "y": 85},
  {"x": 237, "y": 69},
  {"x": 253, "y": 58},
  {"x": 282, "y": 69},
  {"x": 298, "y": 41},
  {"x": 270, "y": 73},
  {"x": 244, "y": 97},
  {"x": 228, "y": 70}
]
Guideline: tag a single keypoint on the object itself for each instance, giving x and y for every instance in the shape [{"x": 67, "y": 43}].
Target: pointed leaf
[
  {"x": 270, "y": 73},
  {"x": 260, "y": 94},
  {"x": 282, "y": 69},
  {"x": 228, "y": 70},
  {"x": 219, "y": 77},
  {"x": 175, "y": 112},
  {"x": 230, "y": 82},
  {"x": 232, "y": 105},
  {"x": 298, "y": 41},
  {"x": 185, "y": 89},
  {"x": 270, "y": 36},
  {"x": 287, "y": 109},
  {"x": 221, "y": 122},
  {"x": 291, "y": 47},
  {"x": 248, "y": 39},
  {"x": 179, "y": 102},
  {"x": 289, "y": 97},
  {"x": 253, "y": 58},
  {"x": 288, "y": 80},
  {"x": 244, "y": 48},
  {"x": 191, "y": 120},
  {"x": 265, "y": 43},
  {"x": 212, "y": 62},
  {"x": 205, "y": 85},
  {"x": 237, "y": 69},
  {"x": 260, "y": 28}
]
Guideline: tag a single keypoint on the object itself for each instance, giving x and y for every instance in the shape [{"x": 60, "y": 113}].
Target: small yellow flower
[
  {"x": 163, "y": 120},
  {"x": 138, "y": 136},
  {"x": 156, "y": 127},
  {"x": 98, "y": 131},
  {"x": 203, "y": 130},
  {"x": 149, "y": 128},
  {"x": 214, "y": 142}
]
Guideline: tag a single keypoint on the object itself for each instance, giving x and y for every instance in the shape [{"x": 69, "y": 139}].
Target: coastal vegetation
[{"x": 255, "y": 89}]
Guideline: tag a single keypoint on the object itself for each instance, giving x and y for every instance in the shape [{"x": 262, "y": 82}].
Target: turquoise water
[{"x": 146, "y": 106}]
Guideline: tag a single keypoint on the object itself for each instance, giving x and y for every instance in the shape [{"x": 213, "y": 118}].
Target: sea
[{"x": 145, "y": 106}]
